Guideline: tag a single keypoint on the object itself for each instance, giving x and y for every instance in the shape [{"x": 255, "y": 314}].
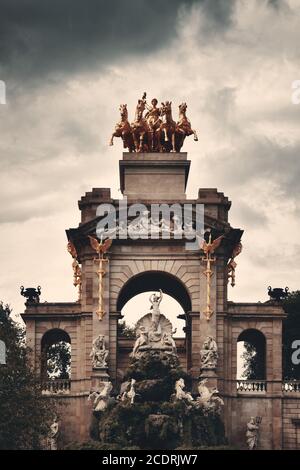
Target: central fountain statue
[{"x": 154, "y": 331}]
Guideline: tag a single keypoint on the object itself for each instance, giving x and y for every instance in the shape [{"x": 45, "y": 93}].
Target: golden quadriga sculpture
[{"x": 154, "y": 131}]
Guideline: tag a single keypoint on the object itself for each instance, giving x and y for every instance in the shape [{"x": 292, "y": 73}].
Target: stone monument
[
  {"x": 154, "y": 331},
  {"x": 155, "y": 171}
]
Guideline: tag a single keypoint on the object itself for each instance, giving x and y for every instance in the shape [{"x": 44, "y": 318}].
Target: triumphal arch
[{"x": 192, "y": 259}]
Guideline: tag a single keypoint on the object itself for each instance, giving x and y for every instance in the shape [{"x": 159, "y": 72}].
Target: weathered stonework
[{"x": 137, "y": 266}]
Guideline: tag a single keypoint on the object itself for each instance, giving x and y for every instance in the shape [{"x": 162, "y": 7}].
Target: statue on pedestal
[
  {"x": 209, "y": 354},
  {"x": 99, "y": 353},
  {"x": 154, "y": 331},
  {"x": 252, "y": 432},
  {"x": 156, "y": 131}
]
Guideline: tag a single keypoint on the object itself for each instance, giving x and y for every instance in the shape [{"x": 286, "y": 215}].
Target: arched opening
[
  {"x": 251, "y": 355},
  {"x": 139, "y": 305},
  {"x": 134, "y": 302},
  {"x": 56, "y": 355},
  {"x": 153, "y": 281}
]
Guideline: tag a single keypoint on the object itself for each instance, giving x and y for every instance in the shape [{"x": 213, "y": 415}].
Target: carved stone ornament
[
  {"x": 209, "y": 354},
  {"x": 101, "y": 397},
  {"x": 154, "y": 331},
  {"x": 99, "y": 353}
]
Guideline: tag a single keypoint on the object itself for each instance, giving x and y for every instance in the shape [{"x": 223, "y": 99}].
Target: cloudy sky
[{"x": 68, "y": 64}]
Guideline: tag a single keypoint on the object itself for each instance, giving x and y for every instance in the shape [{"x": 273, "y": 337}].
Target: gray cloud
[
  {"x": 62, "y": 36},
  {"x": 71, "y": 63},
  {"x": 254, "y": 217},
  {"x": 261, "y": 159}
]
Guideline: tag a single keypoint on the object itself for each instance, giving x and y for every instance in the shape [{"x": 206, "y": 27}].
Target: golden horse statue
[
  {"x": 140, "y": 128},
  {"x": 123, "y": 130},
  {"x": 156, "y": 131},
  {"x": 168, "y": 127},
  {"x": 183, "y": 127}
]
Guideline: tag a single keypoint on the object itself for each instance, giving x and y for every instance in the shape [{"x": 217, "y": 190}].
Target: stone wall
[
  {"x": 238, "y": 411},
  {"x": 291, "y": 423},
  {"x": 74, "y": 418}
]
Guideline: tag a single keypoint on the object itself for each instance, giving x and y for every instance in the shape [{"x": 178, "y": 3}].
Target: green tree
[
  {"x": 126, "y": 331},
  {"x": 254, "y": 361},
  {"x": 58, "y": 357},
  {"x": 291, "y": 332},
  {"x": 25, "y": 415}
]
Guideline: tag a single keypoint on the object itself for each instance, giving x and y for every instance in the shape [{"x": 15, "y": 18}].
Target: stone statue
[
  {"x": 101, "y": 398},
  {"x": 154, "y": 331},
  {"x": 142, "y": 340},
  {"x": 53, "y": 434},
  {"x": 252, "y": 432},
  {"x": 127, "y": 392},
  {"x": 180, "y": 393},
  {"x": 209, "y": 354},
  {"x": 99, "y": 353},
  {"x": 131, "y": 394},
  {"x": 208, "y": 399},
  {"x": 168, "y": 340},
  {"x": 140, "y": 225},
  {"x": 155, "y": 301},
  {"x": 124, "y": 388}
]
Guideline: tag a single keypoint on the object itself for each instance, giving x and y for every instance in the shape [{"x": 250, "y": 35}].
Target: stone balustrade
[
  {"x": 251, "y": 386},
  {"x": 56, "y": 386},
  {"x": 291, "y": 386}
]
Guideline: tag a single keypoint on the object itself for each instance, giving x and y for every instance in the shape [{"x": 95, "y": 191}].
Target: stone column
[
  {"x": 208, "y": 327},
  {"x": 100, "y": 327}
]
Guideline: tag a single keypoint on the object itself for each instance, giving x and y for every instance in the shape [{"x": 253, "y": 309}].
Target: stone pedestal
[
  {"x": 161, "y": 176},
  {"x": 98, "y": 376},
  {"x": 211, "y": 376}
]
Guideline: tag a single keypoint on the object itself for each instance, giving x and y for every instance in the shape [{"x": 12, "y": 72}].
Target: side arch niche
[{"x": 56, "y": 359}]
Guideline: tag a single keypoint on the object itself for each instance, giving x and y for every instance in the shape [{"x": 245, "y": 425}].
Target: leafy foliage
[
  {"x": 156, "y": 420},
  {"x": 125, "y": 331},
  {"x": 58, "y": 359},
  {"x": 254, "y": 361},
  {"x": 25, "y": 415}
]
